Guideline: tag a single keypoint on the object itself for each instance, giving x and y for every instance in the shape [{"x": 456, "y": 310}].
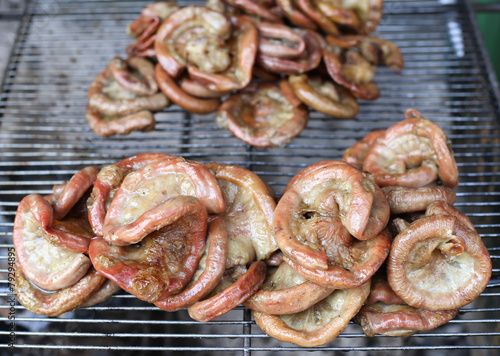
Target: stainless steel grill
[{"x": 62, "y": 45}]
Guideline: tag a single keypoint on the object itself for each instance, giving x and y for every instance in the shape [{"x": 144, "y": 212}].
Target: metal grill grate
[{"x": 44, "y": 139}]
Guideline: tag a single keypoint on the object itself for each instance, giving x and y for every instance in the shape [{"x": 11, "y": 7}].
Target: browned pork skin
[
  {"x": 318, "y": 325},
  {"x": 324, "y": 96},
  {"x": 60, "y": 301},
  {"x": 209, "y": 271},
  {"x": 429, "y": 253},
  {"x": 412, "y": 153},
  {"x": 138, "y": 207},
  {"x": 262, "y": 116},
  {"x": 45, "y": 260},
  {"x": 409, "y": 200},
  {"x": 286, "y": 292},
  {"x": 229, "y": 293},
  {"x": 181, "y": 97},
  {"x": 102, "y": 294},
  {"x": 108, "y": 181},
  {"x": 108, "y": 126},
  {"x": 355, "y": 155},
  {"x": 165, "y": 260}
]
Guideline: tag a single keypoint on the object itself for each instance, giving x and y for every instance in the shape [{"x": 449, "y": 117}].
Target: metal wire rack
[{"x": 62, "y": 45}]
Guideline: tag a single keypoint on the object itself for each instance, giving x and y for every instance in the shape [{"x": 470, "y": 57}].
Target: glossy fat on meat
[
  {"x": 248, "y": 216},
  {"x": 318, "y": 325},
  {"x": 165, "y": 260},
  {"x": 443, "y": 208},
  {"x": 410, "y": 200},
  {"x": 136, "y": 209},
  {"x": 59, "y": 302},
  {"x": 295, "y": 16},
  {"x": 412, "y": 153},
  {"x": 437, "y": 263},
  {"x": 256, "y": 8},
  {"x": 105, "y": 291},
  {"x": 108, "y": 126},
  {"x": 44, "y": 260},
  {"x": 286, "y": 292}
]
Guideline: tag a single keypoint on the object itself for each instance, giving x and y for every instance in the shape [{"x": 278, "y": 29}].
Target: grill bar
[{"x": 61, "y": 45}]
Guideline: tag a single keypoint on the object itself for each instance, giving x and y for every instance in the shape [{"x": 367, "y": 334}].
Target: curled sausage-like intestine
[
  {"x": 59, "y": 302},
  {"x": 319, "y": 324},
  {"x": 412, "y": 153},
  {"x": 248, "y": 198},
  {"x": 242, "y": 49},
  {"x": 308, "y": 60},
  {"x": 145, "y": 26},
  {"x": 381, "y": 51},
  {"x": 257, "y": 8},
  {"x": 410, "y": 200},
  {"x": 350, "y": 69},
  {"x": 279, "y": 40},
  {"x": 180, "y": 97},
  {"x": 66, "y": 198},
  {"x": 164, "y": 261},
  {"x": 437, "y": 263},
  {"x": 230, "y": 293},
  {"x": 327, "y": 25},
  {"x": 209, "y": 272},
  {"x": 198, "y": 90},
  {"x": 108, "y": 126},
  {"x": 44, "y": 258},
  {"x": 126, "y": 87},
  {"x": 193, "y": 34},
  {"x": 107, "y": 182},
  {"x": 139, "y": 206},
  {"x": 444, "y": 208},
  {"x": 286, "y": 292},
  {"x": 324, "y": 96},
  {"x": 294, "y": 15},
  {"x": 355, "y": 155},
  {"x": 386, "y": 314},
  {"x": 262, "y": 116},
  {"x": 316, "y": 217}
]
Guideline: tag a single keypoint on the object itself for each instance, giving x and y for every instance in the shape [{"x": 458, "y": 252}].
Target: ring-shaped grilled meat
[{"x": 414, "y": 152}]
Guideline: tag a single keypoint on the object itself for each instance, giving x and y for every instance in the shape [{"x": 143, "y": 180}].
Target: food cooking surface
[{"x": 45, "y": 139}]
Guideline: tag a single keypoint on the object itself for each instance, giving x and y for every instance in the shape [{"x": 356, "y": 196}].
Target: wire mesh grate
[{"x": 44, "y": 139}]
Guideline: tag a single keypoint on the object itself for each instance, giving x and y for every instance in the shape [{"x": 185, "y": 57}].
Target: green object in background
[{"x": 489, "y": 23}]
